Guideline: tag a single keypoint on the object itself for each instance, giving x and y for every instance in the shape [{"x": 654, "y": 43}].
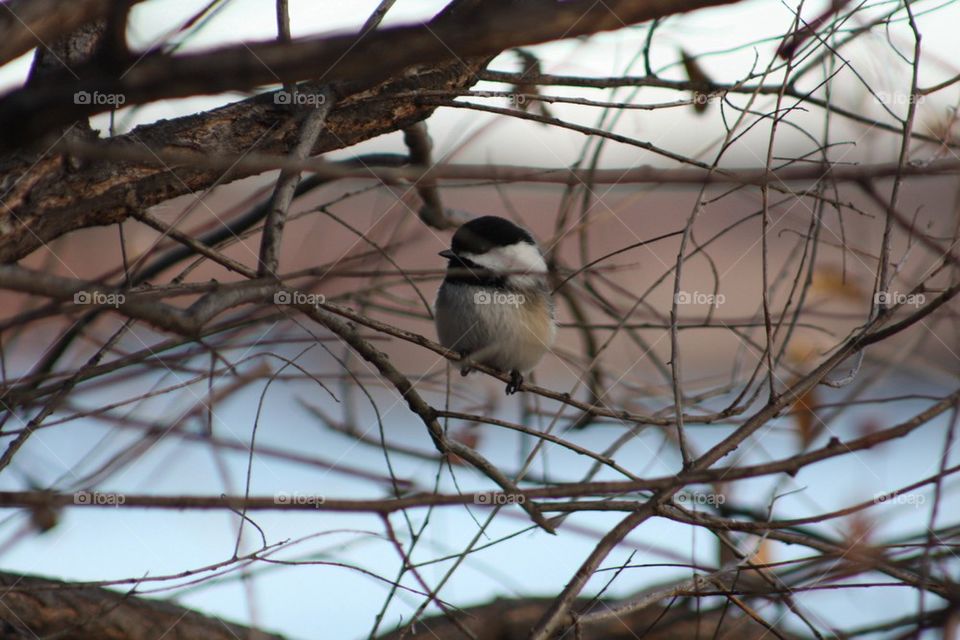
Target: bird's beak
[{"x": 449, "y": 255}]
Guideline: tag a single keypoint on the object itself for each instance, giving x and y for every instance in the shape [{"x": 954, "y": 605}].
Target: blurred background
[{"x": 324, "y": 424}]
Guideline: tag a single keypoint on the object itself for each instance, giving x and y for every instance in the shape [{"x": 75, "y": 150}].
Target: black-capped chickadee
[{"x": 494, "y": 306}]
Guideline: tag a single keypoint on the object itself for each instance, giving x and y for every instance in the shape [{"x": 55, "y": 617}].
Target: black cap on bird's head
[{"x": 485, "y": 233}]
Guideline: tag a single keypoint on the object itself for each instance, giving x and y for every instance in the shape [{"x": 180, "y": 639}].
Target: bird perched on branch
[{"x": 494, "y": 306}]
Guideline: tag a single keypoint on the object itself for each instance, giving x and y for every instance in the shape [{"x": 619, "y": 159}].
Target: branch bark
[
  {"x": 287, "y": 183},
  {"x": 40, "y": 608},
  {"x": 456, "y": 35},
  {"x": 25, "y": 24},
  {"x": 49, "y": 197}
]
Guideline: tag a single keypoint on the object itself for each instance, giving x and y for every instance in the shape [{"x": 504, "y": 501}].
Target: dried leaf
[
  {"x": 43, "y": 518},
  {"x": 868, "y": 427},
  {"x": 789, "y": 46},
  {"x": 803, "y": 350},
  {"x": 857, "y": 534},
  {"x": 764, "y": 554},
  {"x": 468, "y": 437},
  {"x": 702, "y": 82},
  {"x": 809, "y": 425},
  {"x": 531, "y": 69},
  {"x": 830, "y": 281},
  {"x": 945, "y": 127}
]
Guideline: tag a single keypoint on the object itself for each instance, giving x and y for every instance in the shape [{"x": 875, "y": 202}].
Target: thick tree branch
[
  {"x": 25, "y": 24},
  {"x": 313, "y": 122},
  {"x": 36, "y": 607},
  {"x": 49, "y": 197},
  {"x": 30, "y": 113},
  {"x": 39, "y": 607}
]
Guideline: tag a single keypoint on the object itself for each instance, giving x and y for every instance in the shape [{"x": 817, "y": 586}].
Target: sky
[{"x": 120, "y": 543}]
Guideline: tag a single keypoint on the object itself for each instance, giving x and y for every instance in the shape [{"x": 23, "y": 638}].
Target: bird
[{"x": 494, "y": 306}]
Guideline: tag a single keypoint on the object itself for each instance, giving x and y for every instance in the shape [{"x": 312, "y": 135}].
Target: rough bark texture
[
  {"x": 463, "y": 31},
  {"x": 513, "y": 620},
  {"x": 47, "y": 195},
  {"x": 56, "y": 195},
  {"x": 38, "y": 607},
  {"x": 24, "y": 22}
]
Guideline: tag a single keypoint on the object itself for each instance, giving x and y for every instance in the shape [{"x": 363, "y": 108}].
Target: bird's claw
[
  {"x": 466, "y": 364},
  {"x": 516, "y": 379}
]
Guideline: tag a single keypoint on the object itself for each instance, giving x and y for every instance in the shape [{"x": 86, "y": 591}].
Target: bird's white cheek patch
[
  {"x": 517, "y": 258},
  {"x": 521, "y": 257}
]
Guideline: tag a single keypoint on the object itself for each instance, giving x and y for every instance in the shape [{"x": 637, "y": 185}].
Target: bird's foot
[{"x": 516, "y": 379}]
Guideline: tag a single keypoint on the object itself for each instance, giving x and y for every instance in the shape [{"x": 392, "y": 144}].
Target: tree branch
[
  {"x": 37, "y": 607},
  {"x": 29, "y": 113}
]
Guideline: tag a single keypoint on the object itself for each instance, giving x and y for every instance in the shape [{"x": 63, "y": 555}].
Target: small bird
[{"x": 494, "y": 306}]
